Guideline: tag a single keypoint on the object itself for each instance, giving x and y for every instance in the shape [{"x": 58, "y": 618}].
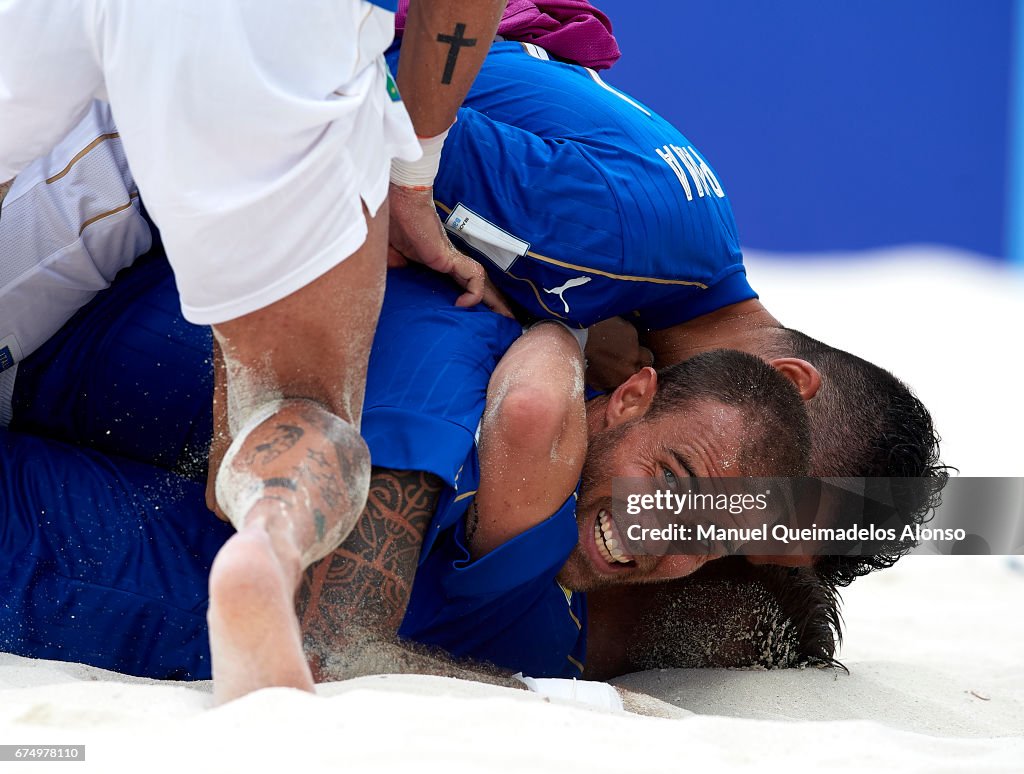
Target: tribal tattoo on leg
[
  {"x": 352, "y": 602},
  {"x": 364, "y": 585}
]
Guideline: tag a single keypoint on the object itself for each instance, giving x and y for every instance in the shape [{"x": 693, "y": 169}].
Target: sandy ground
[{"x": 935, "y": 646}]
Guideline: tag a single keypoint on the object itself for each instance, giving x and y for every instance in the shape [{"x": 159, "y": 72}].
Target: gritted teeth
[
  {"x": 599, "y": 542},
  {"x": 609, "y": 543}
]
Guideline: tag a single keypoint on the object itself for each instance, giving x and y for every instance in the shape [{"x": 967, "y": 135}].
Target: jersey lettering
[
  {"x": 703, "y": 178},
  {"x": 669, "y": 158}
]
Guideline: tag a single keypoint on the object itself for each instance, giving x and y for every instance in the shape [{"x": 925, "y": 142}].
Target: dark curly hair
[{"x": 866, "y": 423}]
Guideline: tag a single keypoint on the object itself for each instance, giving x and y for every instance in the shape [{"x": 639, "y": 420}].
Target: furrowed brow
[{"x": 683, "y": 462}]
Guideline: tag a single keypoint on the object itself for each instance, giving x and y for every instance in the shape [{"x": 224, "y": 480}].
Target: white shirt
[{"x": 69, "y": 223}]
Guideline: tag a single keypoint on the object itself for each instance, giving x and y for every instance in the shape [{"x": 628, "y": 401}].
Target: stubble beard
[{"x": 577, "y": 574}]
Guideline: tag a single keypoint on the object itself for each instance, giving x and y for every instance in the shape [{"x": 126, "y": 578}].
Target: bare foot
[{"x": 254, "y": 635}]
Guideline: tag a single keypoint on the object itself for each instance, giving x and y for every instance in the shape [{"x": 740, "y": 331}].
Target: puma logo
[{"x": 575, "y": 282}]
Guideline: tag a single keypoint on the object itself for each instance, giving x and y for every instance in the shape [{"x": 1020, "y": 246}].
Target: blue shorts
[{"x": 127, "y": 375}]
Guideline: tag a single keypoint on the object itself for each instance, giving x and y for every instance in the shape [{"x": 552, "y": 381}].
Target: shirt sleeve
[{"x": 730, "y": 287}]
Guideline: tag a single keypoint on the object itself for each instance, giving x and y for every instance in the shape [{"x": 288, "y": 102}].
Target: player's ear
[
  {"x": 632, "y": 399},
  {"x": 804, "y": 375}
]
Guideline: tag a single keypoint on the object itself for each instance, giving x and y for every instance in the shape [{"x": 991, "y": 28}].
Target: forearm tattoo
[
  {"x": 365, "y": 583},
  {"x": 455, "y": 41}
]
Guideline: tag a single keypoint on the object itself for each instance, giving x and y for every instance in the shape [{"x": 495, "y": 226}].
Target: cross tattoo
[{"x": 455, "y": 41}]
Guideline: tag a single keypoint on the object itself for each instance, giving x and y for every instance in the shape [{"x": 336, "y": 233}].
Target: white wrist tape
[
  {"x": 589, "y": 692},
  {"x": 420, "y": 173},
  {"x": 580, "y": 334}
]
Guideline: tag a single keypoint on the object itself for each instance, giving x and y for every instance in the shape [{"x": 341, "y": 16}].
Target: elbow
[{"x": 530, "y": 419}]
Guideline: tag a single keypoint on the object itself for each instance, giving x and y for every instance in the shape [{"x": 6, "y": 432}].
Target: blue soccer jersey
[
  {"x": 109, "y": 557},
  {"x": 103, "y": 561},
  {"x": 506, "y": 608},
  {"x": 582, "y": 203},
  {"x": 429, "y": 368}
]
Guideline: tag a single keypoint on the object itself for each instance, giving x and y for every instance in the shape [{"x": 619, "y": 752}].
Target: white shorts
[{"x": 255, "y": 130}]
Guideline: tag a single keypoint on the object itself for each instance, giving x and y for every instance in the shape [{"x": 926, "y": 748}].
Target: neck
[
  {"x": 595, "y": 414},
  {"x": 4, "y": 188},
  {"x": 746, "y": 326}
]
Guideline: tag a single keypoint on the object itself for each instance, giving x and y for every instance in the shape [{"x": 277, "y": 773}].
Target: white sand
[{"x": 935, "y": 646}]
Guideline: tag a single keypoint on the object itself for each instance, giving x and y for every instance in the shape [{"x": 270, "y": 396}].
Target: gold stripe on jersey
[
  {"x": 626, "y": 277},
  {"x": 586, "y": 270},
  {"x": 536, "y": 292},
  {"x": 568, "y": 600},
  {"x": 78, "y": 156},
  {"x": 108, "y": 213}
]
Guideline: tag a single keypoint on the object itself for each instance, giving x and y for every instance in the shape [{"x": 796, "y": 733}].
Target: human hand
[
  {"x": 614, "y": 353},
  {"x": 416, "y": 234}
]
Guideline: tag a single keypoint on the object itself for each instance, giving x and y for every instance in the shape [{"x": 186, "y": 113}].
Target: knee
[{"x": 299, "y": 446}]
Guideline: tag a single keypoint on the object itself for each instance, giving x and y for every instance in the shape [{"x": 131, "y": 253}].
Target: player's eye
[
  {"x": 670, "y": 478},
  {"x": 707, "y": 544}
]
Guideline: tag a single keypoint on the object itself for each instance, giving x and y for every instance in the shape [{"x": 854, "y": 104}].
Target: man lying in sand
[
  {"x": 286, "y": 107},
  {"x": 634, "y": 281},
  {"x": 149, "y": 548}
]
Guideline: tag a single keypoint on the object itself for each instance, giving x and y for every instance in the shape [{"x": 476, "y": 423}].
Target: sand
[{"x": 935, "y": 646}]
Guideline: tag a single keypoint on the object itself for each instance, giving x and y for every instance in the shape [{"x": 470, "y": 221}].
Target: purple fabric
[{"x": 573, "y": 30}]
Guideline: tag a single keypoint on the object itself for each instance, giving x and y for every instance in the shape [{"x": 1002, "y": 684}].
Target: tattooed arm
[
  {"x": 444, "y": 45},
  {"x": 351, "y": 604}
]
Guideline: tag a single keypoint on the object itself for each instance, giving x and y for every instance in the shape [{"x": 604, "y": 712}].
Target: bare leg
[
  {"x": 254, "y": 636},
  {"x": 295, "y": 479}
]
